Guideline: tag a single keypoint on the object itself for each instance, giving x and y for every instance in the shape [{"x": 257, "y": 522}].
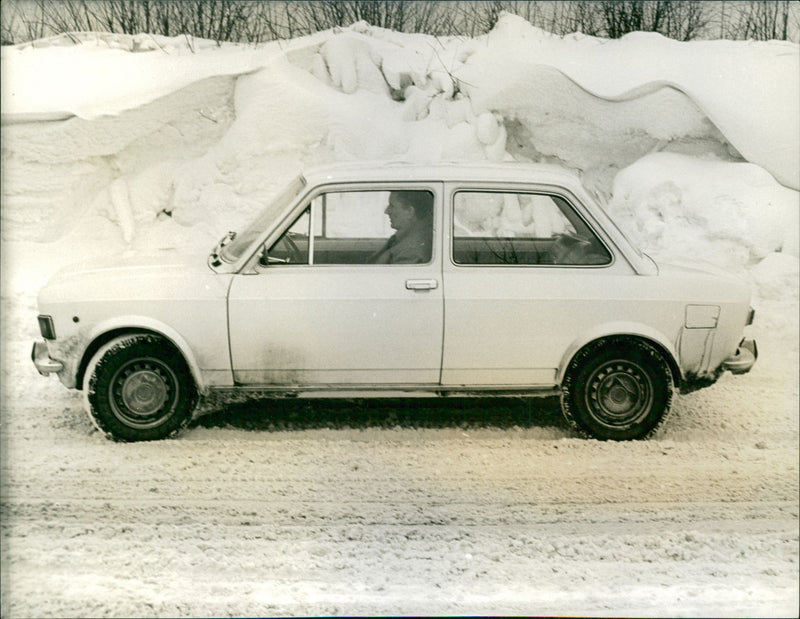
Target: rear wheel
[
  {"x": 619, "y": 389},
  {"x": 138, "y": 387}
]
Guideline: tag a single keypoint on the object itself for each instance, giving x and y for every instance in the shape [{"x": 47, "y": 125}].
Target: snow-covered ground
[{"x": 141, "y": 144}]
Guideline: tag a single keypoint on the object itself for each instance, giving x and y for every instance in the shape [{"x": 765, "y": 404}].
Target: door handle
[{"x": 421, "y": 284}]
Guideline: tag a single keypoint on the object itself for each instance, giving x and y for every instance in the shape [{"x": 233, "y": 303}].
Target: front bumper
[
  {"x": 743, "y": 359},
  {"x": 41, "y": 359}
]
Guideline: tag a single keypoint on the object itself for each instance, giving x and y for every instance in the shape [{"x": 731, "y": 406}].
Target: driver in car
[{"x": 411, "y": 215}]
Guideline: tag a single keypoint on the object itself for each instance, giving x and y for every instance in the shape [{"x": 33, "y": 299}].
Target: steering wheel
[
  {"x": 570, "y": 249},
  {"x": 294, "y": 253},
  {"x": 575, "y": 249}
]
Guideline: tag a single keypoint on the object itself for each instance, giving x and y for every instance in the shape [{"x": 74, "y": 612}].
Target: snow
[
  {"x": 136, "y": 145},
  {"x": 718, "y": 208},
  {"x": 762, "y": 125},
  {"x": 101, "y": 75}
]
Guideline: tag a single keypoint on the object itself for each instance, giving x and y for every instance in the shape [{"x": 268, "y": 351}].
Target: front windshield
[{"x": 234, "y": 250}]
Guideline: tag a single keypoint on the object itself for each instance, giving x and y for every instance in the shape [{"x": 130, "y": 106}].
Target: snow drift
[{"x": 139, "y": 143}]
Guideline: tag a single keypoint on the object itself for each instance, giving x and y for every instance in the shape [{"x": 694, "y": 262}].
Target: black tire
[
  {"x": 617, "y": 389},
  {"x": 138, "y": 388}
]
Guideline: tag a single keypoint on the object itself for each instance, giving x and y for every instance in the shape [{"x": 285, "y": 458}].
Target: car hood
[
  {"x": 137, "y": 277},
  {"x": 132, "y": 261}
]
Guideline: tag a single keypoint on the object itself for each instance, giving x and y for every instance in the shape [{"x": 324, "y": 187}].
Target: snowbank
[
  {"x": 175, "y": 141},
  {"x": 750, "y": 91},
  {"x": 94, "y": 74},
  {"x": 731, "y": 213}
]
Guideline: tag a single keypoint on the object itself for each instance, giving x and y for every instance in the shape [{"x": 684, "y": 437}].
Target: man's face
[{"x": 400, "y": 214}]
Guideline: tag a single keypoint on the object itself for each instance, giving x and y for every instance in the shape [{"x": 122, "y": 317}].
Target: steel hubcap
[
  {"x": 143, "y": 392},
  {"x": 620, "y": 393}
]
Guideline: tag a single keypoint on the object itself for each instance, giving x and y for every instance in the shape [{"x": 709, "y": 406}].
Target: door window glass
[
  {"x": 373, "y": 227},
  {"x": 359, "y": 227},
  {"x": 522, "y": 228}
]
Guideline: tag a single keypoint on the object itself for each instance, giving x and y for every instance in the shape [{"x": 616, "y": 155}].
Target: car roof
[
  {"x": 375, "y": 171},
  {"x": 465, "y": 171}
]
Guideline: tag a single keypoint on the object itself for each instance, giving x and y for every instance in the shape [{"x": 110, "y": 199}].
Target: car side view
[{"x": 385, "y": 278}]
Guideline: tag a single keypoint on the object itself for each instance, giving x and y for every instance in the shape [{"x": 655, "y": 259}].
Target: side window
[
  {"x": 521, "y": 228},
  {"x": 373, "y": 227},
  {"x": 359, "y": 227}
]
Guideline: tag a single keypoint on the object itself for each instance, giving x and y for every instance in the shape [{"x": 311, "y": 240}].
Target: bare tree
[
  {"x": 11, "y": 24},
  {"x": 480, "y": 17},
  {"x": 64, "y": 17},
  {"x": 263, "y": 20},
  {"x": 762, "y": 20},
  {"x": 267, "y": 22},
  {"x": 329, "y": 13},
  {"x": 431, "y": 17},
  {"x": 681, "y": 19},
  {"x": 621, "y": 16},
  {"x": 579, "y": 16},
  {"x": 678, "y": 19},
  {"x": 687, "y": 20}
]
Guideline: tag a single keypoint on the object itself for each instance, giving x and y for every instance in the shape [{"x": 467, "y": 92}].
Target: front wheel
[
  {"x": 618, "y": 389},
  {"x": 138, "y": 388}
]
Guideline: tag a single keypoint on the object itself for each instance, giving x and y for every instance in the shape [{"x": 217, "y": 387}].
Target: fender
[
  {"x": 621, "y": 329},
  {"x": 138, "y": 323}
]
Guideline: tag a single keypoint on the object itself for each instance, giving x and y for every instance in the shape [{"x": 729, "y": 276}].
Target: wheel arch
[
  {"x": 623, "y": 332},
  {"x": 107, "y": 332}
]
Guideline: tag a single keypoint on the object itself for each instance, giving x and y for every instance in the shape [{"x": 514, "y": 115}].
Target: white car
[{"x": 448, "y": 279}]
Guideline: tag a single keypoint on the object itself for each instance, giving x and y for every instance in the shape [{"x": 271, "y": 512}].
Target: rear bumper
[
  {"x": 743, "y": 359},
  {"x": 41, "y": 359}
]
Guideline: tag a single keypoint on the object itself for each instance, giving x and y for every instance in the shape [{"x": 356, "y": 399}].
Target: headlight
[{"x": 46, "y": 327}]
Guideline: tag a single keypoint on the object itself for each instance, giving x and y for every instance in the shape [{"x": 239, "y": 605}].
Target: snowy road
[{"x": 415, "y": 506}]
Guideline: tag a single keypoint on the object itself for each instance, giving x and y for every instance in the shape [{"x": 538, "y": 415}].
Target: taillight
[
  {"x": 750, "y": 316},
  {"x": 46, "y": 327}
]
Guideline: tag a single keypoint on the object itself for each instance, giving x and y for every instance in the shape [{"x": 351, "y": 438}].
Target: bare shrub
[{"x": 257, "y": 21}]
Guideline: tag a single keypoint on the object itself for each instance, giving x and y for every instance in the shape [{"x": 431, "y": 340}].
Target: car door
[
  {"x": 525, "y": 276},
  {"x": 327, "y": 305}
]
